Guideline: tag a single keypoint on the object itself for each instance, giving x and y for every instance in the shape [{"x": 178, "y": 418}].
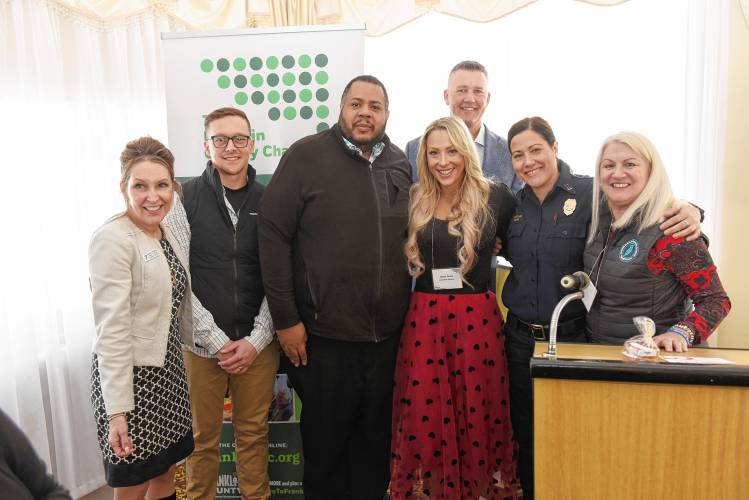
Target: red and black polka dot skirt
[{"x": 452, "y": 436}]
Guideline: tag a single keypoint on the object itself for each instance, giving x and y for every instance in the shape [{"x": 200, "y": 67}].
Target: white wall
[{"x": 615, "y": 68}]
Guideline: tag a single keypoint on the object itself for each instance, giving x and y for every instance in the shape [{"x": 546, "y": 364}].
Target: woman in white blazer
[{"x": 140, "y": 284}]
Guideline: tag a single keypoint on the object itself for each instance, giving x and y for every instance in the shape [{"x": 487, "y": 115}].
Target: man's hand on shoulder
[
  {"x": 236, "y": 356},
  {"x": 293, "y": 342}
]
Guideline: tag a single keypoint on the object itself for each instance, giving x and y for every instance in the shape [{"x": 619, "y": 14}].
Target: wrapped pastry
[{"x": 642, "y": 347}]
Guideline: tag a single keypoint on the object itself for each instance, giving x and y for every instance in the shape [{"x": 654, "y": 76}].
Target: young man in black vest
[{"x": 232, "y": 326}]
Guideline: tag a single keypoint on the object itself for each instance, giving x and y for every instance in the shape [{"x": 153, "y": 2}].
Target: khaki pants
[{"x": 251, "y": 395}]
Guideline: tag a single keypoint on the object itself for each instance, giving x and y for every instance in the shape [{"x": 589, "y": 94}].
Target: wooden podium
[{"x": 605, "y": 429}]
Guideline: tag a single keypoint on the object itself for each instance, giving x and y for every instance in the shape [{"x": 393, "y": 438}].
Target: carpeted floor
[{"x": 179, "y": 481}]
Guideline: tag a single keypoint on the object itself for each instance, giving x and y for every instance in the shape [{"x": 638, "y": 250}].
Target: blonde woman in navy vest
[{"x": 636, "y": 268}]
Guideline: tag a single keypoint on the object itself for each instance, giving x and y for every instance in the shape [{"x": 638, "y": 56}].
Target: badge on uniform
[
  {"x": 569, "y": 206},
  {"x": 446, "y": 278}
]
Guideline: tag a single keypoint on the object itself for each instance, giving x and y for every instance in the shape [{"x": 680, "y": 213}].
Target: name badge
[
  {"x": 589, "y": 295},
  {"x": 148, "y": 256},
  {"x": 447, "y": 278}
]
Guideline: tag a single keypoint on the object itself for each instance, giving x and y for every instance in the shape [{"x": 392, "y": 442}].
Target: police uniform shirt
[{"x": 545, "y": 241}]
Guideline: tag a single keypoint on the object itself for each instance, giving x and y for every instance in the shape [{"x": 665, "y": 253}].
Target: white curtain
[
  {"x": 380, "y": 16},
  {"x": 72, "y": 92},
  {"x": 706, "y": 82}
]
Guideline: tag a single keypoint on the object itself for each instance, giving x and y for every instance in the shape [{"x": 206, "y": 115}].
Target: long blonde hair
[
  {"x": 656, "y": 197},
  {"x": 470, "y": 211}
]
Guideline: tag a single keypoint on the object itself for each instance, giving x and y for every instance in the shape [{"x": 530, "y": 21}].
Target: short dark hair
[
  {"x": 368, "y": 79},
  {"x": 224, "y": 112},
  {"x": 536, "y": 124},
  {"x": 470, "y": 66}
]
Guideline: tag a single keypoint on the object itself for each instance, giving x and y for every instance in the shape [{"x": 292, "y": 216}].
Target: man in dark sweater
[
  {"x": 23, "y": 476},
  {"x": 333, "y": 223}
]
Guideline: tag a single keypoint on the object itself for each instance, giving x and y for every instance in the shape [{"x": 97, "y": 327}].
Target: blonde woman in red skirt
[{"x": 452, "y": 436}]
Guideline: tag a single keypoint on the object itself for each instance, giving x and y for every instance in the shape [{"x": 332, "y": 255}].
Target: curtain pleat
[{"x": 380, "y": 16}]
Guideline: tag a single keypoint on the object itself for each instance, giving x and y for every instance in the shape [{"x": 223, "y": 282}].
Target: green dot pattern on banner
[
  {"x": 240, "y": 64},
  {"x": 265, "y": 74},
  {"x": 322, "y": 95},
  {"x": 321, "y": 60},
  {"x": 240, "y": 98}
]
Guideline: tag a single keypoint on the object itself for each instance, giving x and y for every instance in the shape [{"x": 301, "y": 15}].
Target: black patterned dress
[{"x": 161, "y": 423}]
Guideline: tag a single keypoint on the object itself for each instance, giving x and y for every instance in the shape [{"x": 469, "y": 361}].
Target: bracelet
[
  {"x": 687, "y": 331},
  {"x": 112, "y": 417},
  {"x": 686, "y": 335}
]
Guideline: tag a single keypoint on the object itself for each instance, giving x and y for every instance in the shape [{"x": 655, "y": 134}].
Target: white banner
[{"x": 288, "y": 80}]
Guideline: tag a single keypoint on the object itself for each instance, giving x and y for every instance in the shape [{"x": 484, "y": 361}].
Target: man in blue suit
[{"x": 467, "y": 95}]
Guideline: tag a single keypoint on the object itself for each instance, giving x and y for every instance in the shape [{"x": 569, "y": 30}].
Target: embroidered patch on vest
[{"x": 629, "y": 251}]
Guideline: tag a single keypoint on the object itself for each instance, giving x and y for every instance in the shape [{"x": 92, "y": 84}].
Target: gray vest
[{"x": 626, "y": 287}]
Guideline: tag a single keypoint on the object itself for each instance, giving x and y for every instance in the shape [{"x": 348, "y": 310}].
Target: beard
[{"x": 348, "y": 133}]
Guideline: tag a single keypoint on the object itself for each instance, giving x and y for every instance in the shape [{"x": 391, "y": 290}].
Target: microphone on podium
[{"x": 575, "y": 281}]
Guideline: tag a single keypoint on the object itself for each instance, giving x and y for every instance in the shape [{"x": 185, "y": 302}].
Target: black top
[
  {"x": 445, "y": 249},
  {"x": 22, "y": 474},
  {"x": 332, "y": 228},
  {"x": 545, "y": 241},
  {"x": 236, "y": 196}
]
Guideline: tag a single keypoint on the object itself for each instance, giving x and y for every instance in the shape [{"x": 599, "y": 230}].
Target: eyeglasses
[{"x": 221, "y": 141}]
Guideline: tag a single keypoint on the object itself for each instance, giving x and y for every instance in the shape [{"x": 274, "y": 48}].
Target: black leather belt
[{"x": 541, "y": 332}]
